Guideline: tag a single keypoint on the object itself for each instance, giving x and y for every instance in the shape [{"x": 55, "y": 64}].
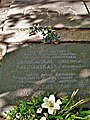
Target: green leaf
[
  {"x": 68, "y": 118},
  {"x": 50, "y": 116},
  {"x": 59, "y": 117},
  {"x": 29, "y": 103},
  {"x": 67, "y": 115},
  {"x": 85, "y": 113}
]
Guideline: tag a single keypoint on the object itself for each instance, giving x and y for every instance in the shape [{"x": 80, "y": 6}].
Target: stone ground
[{"x": 16, "y": 16}]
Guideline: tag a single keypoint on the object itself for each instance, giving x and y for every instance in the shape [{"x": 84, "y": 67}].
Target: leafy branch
[{"x": 48, "y": 34}]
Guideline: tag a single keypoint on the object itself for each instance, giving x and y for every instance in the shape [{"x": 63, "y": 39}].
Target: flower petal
[
  {"x": 44, "y": 105},
  {"x": 52, "y": 98},
  {"x": 56, "y": 106},
  {"x": 43, "y": 118},
  {"x": 59, "y": 102},
  {"x": 39, "y": 110},
  {"x": 50, "y": 111},
  {"x": 45, "y": 99}
]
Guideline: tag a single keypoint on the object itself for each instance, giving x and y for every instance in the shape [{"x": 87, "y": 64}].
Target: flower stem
[{"x": 76, "y": 105}]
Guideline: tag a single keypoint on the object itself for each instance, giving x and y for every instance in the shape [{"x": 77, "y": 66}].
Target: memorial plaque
[{"x": 40, "y": 68}]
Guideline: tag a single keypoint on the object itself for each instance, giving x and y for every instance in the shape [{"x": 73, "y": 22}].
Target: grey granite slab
[{"x": 41, "y": 68}]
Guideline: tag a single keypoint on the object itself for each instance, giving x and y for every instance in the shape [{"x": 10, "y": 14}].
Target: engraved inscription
[{"x": 54, "y": 68}]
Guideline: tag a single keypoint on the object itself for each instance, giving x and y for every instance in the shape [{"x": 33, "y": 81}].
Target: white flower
[
  {"x": 45, "y": 31},
  {"x": 18, "y": 115},
  {"x": 43, "y": 118},
  {"x": 39, "y": 110},
  {"x": 40, "y": 35},
  {"x": 50, "y": 104},
  {"x": 59, "y": 102},
  {"x": 46, "y": 115},
  {"x": 15, "y": 118}
]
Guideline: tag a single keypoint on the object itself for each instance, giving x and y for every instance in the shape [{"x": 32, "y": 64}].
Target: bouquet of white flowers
[{"x": 50, "y": 108}]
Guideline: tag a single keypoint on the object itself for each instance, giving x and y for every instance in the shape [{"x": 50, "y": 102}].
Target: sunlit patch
[
  {"x": 23, "y": 92},
  {"x": 33, "y": 16},
  {"x": 2, "y": 102},
  {"x": 38, "y": 21},
  {"x": 4, "y": 94},
  {"x": 12, "y": 49},
  {"x": 85, "y": 23},
  {"x": 59, "y": 25},
  {"x": 39, "y": 92},
  {"x": 6, "y": 110},
  {"x": 85, "y": 73}
]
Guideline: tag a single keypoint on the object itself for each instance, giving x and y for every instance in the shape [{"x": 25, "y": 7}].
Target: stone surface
[
  {"x": 22, "y": 36},
  {"x": 63, "y": 14},
  {"x": 4, "y": 7},
  {"x": 3, "y": 50},
  {"x": 3, "y": 13},
  {"x": 49, "y": 0},
  {"x": 25, "y": 14},
  {"x": 40, "y": 68},
  {"x": 13, "y": 39},
  {"x": 88, "y": 5},
  {"x": 75, "y": 35},
  {"x": 0, "y": 54}
]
